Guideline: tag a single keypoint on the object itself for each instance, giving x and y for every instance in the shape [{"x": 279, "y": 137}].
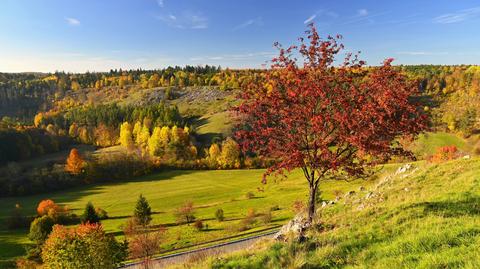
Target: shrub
[
  {"x": 47, "y": 207},
  {"x": 249, "y": 195},
  {"x": 86, "y": 246},
  {"x": 143, "y": 212},
  {"x": 267, "y": 217},
  {"x": 101, "y": 213},
  {"x": 198, "y": 225},
  {"x": 40, "y": 228},
  {"x": 219, "y": 214},
  {"x": 23, "y": 263},
  {"x": 445, "y": 153},
  {"x": 185, "y": 213},
  {"x": 90, "y": 214},
  {"x": 298, "y": 207},
  {"x": 142, "y": 244}
]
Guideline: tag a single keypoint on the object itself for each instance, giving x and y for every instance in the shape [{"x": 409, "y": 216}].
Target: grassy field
[
  {"x": 427, "y": 217},
  {"x": 208, "y": 190}
]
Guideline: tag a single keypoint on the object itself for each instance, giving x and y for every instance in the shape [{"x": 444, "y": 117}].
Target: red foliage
[
  {"x": 47, "y": 207},
  {"x": 445, "y": 153},
  {"x": 322, "y": 117}
]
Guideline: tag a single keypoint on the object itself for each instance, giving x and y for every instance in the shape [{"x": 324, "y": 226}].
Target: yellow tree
[
  {"x": 213, "y": 155},
  {"x": 137, "y": 128},
  {"x": 155, "y": 142},
  {"x": 126, "y": 137},
  {"x": 230, "y": 156}
]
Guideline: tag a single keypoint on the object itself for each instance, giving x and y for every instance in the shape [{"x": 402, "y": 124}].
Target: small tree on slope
[
  {"x": 326, "y": 120},
  {"x": 90, "y": 214},
  {"x": 143, "y": 212}
]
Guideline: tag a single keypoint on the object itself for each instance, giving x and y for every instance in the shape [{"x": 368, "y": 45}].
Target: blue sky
[{"x": 97, "y": 35}]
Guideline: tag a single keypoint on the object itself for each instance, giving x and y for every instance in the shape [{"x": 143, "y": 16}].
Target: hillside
[{"x": 426, "y": 216}]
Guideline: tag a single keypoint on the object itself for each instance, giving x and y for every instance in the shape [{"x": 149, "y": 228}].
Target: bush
[
  {"x": 47, "y": 207},
  {"x": 86, "y": 246},
  {"x": 185, "y": 213},
  {"x": 40, "y": 228},
  {"x": 445, "y": 153},
  {"x": 298, "y": 207},
  {"x": 101, "y": 213},
  {"x": 198, "y": 225},
  {"x": 219, "y": 214},
  {"x": 249, "y": 195},
  {"x": 267, "y": 217}
]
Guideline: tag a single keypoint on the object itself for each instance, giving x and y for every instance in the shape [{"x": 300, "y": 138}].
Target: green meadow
[{"x": 166, "y": 191}]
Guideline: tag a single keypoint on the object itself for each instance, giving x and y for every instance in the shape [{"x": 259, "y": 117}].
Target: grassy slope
[
  {"x": 166, "y": 191},
  {"x": 424, "y": 218},
  {"x": 426, "y": 144}
]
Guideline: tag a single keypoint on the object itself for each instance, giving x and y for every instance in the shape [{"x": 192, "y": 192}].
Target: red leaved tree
[{"x": 329, "y": 119}]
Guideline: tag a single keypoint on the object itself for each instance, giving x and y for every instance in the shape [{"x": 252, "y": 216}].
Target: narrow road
[{"x": 185, "y": 256}]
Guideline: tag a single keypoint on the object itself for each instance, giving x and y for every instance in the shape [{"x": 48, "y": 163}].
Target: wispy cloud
[
  {"x": 187, "y": 20},
  {"x": 362, "y": 17},
  {"x": 161, "y": 3},
  {"x": 420, "y": 53},
  {"x": 310, "y": 19},
  {"x": 458, "y": 16},
  {"x": 362, "y": 12},
  {"x": 321, "y": 13},
  {"x": 72, "y": 21},
  {"x": 257, "y": 21}
]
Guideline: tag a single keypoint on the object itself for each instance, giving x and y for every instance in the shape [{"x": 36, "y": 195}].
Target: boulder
[{"x": 295, "y": 229}]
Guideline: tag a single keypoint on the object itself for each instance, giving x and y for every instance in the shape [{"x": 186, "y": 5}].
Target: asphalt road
[{"x": 190, "y": 255}]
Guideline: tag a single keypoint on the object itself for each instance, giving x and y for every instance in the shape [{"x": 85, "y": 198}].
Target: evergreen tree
[
  {"x": 90, "y": 214},
  {"x": 143, "y": 212}
]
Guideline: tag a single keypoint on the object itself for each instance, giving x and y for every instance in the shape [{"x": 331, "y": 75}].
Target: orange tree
[
  {"x": 312, "y": 112},
  {"x": 75, "y": 162}
]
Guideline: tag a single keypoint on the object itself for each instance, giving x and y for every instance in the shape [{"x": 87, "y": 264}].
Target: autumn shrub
[
  {"x": 142, "y": 244},
  {"x": 445, "y": 153},
  {"x": 298, "y": 206},
  {"x": 40, "y": 228},
  {"x": 86, "y": 246},
  {"x": 185, "y": 213},
  {"x": 266, "y": 217},
  {"x": 219, "y": 214},
  {"x": 47, "y": 207},
  {"x": 198, "y": 225},
  {"x": 24, "y": 263},
  {"x": 101, "y": 213}
]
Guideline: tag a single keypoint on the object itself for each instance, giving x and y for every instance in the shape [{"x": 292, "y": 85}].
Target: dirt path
[{"x": 223, "y": 248}]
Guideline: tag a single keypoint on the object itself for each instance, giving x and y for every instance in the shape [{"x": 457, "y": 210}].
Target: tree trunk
[{"x": 311, "y": 202}]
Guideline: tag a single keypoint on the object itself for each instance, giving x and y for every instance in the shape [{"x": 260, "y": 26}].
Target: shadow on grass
[{"x": 469, "y": 205}]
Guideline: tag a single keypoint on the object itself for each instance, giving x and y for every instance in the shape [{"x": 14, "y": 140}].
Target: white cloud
[
  {"x": 311, "y": 18},
  {"x": 362, "y": 12},
  {"x": 161, "y": 3},
  {"x": 72, "y": 21},
  {"x": 187, "y": 20},
  {"x": 458, "y": 16},
  {"x": 257, "y": 21}
]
